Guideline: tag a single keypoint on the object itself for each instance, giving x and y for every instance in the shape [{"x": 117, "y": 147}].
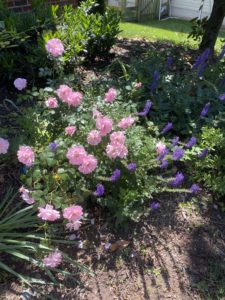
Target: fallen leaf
[{"x": 119, "y": 245}]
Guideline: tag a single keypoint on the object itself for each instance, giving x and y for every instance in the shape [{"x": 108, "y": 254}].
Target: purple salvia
[
  {"x": 100, "y": 190},
  {"x": 169, "y": 62},
  {"x": 194, "y": 189},
  {"x": 154, "y": 81},
  {"x": 146, "y": 109},
  {"x": 203, "y": 153},
  {"x": 164, "y": 164},
  {"x": 132, "y": 167},
  {"x": 53, "y": 146},
  {"x": 205, "y": 110},
  {"x": 163, "y": 154},
  {"x": 177, "y": 154},
  {"x": 116, "y": 175},
  {"x": 175, "y": 141},
  {"x": 154, "y": 205},
  {"x": 178, "y": 180},
  {"x": 168, "y": 127},
  {"x": 222, "y": 97},
  {"x": 191, "y": 142}
]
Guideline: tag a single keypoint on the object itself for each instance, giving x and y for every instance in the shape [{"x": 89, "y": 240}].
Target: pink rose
[
  {"x": 70, "y": 130},
  {"x": 63, "y": 92},
  {"x": 118, "y": 150},
  {"x": 88, "y": 165},
  {"x": 25, "y": 195},
  {"x": 138, "y": 85},
  {"x": 76, "y": 155},
  {"x": 54, "y": 47},
  {"x": 74, "y": 99},
  {"x": 117, "y": 137},
  {"x": 4, "y": 146},
  {"x": 51, "y": 102},
  {"x": 96, "y": 114},
  {"x": 94, "y": 137},
  {"x": 104, "y": 125},
  {"x": 53, "y": 259},
  {"x": 73, "y": 225},
  {"x": 160, "y": 148},
  {"x": 48, "y": 213},
  {"x": 110, "y": 96},
  {"x": 20, "y": 83},
  {"x": 26, "y": 155},
  {"x": 126, "y": 122},
  {"x": 73, "y": 213}
]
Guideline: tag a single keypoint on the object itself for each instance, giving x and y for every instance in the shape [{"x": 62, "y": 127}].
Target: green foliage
[
  {"x": 197, "y": 28},
  {"x": 85, "y": 33}
]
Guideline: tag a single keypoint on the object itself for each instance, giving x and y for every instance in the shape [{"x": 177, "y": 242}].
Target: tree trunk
[{"x": 213, "y": 25}]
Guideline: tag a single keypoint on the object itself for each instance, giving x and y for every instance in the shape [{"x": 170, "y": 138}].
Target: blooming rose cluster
[
  {"x": 53, "y": 259},
  {"x": 70, "y": 130},
  {"x": 126, "y": 122},
  {"x": 26, "y": 155},
  {"x": 78, "y": 156},
  {"x": 54, "y": 47},
  {"x": 110, "y": 96},
  {"x": 51, "y": 102},
  {"x": 73, "y": 215},
  {"x": 116, "y": 147},
  {"x": 67, "y": 95}
]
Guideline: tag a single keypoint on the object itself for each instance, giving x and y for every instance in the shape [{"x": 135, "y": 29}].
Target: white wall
[{"x": 189, "y": 9}]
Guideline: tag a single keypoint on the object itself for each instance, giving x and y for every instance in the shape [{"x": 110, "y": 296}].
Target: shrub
[{"x": 86, "y": 33}]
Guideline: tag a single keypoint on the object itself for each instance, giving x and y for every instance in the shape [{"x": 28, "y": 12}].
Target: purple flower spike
[
  {"x": 163, "y": 154},
  {"x": 132, "y": 167},
  {"x": 164, "y": 164},
  {"x": 116, "y": 175},
  {"x": 178, "y": 154},
  {"x": 222, "y": 97},
  {"x": 53, "y": 146},
  {"x": 100, "y": 190},
  {"x": 167, "y": 128},
  {"x": 169, "y": 62},
  {"x": 191, "y": 142},
  {"x": 146, "y": 109},
  {"x": 205, "y": 110},
  {"x": 154, "y": 81},
  {"x": 175, "y": 141},
  {"x": 194, "y": 189},
  {"x": 203, "y": 153},
  {"x": 154, "y": 205},
  {"x": 178, "y": 180}
]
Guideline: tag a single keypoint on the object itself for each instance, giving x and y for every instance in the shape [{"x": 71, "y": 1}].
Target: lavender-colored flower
[
  {"x": 194, "y": 189},
  {"x": 222, "y": 97},
  {"x": 154, "y": 205},
  {"x": 146, "y": 109},
  {"x": 191, "y": 142},
  {"x": 203, "y": 153},
  {"x": 153, "y": 85},
  {"x": 201, "y": 59},
  {"x": 175, "y": 141},
  {"x": 178, "y": 153},
  {"x": 168, "y": 127},
  {"x": 163, "y": 154},
  {"x": 205, "y": 110},
  {"x": 178, "y": 180},
  {"x": 116, "y": 175},
  {"x": 164, "y": 164},
  {"x": 53, "y": 146},
  {"x": 132, "y": 167},
  {"x": 169, "y": 62},
  {"x": 100, "y": 190}
]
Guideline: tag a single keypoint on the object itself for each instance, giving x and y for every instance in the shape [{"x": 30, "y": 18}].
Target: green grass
[{"x": 173, "y": 30}]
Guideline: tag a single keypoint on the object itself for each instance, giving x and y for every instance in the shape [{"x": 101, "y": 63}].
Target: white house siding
[{"x": 189, "y": 9}]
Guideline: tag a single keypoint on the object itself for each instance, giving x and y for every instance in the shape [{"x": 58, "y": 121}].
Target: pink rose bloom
[
  {"x": 88, "y": 165},
  {"x": 118, "y": 150},
  {"x": 70, "y": 130},
  {"x": 63, "y": 92},
  {"x": 53, "y": 259},
  {"x": 96, "y": 114},
  {"x": 4, "y": 146},
  {"x": 54, "y": 47},
  {"x": 51, "y": 102},
  {"x": 94, "y": 137},
  {"x": 48, "y": 213},
  {"x": 73, "y": 213},
  {"x": 110, "y": 96},
  {"x": 74, "y": 99},
  {"x": 126, "y": 122},
  {"x": 20, "y": 83},
  {"x": 160, "y": 147},
  {"x": 25, "y": 195},
  {"x": 26, "y": 155},
  {"x": 76, "y": 155},
  {"x": 73, "y": 225},
  {"x": 117, "y": 137},
  {"x": 138, "y": 85},
  {"x": 104, "y": 125}
]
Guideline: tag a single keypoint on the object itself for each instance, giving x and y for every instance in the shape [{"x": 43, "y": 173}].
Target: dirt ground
[{"x": 168, "y": 255}]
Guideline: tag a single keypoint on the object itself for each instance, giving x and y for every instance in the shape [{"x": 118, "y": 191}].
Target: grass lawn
[{"x": 173, "y": 30}]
